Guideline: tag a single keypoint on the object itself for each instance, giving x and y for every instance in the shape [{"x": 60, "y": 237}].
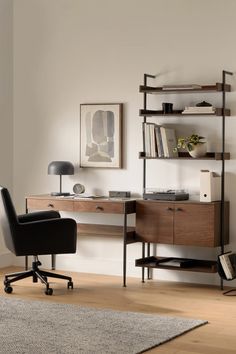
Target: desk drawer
[
  {"x": 50, "y": 204},
  {"x": 98, "y": 207}
]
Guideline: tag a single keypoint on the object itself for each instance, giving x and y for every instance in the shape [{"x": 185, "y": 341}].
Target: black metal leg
[
  {"x": 149, "y": 271},
  {"x": 230, "y": 291},
  {"x": 143, "y": 256},
  {"x": 18, "y": 276},
  {"x": 54, "y": 275},
  {"x": 221, "y": 284},
  {"x": 36, "y": 274},
  {"x": 124, "y": 248}
]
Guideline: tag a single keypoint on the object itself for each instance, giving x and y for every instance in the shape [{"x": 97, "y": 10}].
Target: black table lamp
[{"x": 60, "y": 168}]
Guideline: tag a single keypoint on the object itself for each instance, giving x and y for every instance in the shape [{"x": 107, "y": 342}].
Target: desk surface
[{"x": 75, "y": 198}]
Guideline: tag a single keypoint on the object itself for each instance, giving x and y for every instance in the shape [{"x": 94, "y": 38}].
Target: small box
[
  {"x": 210, "y": 186},
  {"x": 119, "y": 194}
]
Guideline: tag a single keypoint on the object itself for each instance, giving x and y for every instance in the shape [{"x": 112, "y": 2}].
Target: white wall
[
  {"x": 68, "y": 52},
  {"x": 6, "y": 105}
]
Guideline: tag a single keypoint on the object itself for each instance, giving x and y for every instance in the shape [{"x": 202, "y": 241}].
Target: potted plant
[{"x": 194, "y": 144}]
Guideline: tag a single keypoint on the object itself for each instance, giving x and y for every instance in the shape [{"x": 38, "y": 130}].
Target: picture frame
[{"x": 101, "y": 135}]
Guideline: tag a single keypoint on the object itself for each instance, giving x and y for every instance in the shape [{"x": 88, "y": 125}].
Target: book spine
[
  {"x": 164, "y": 141},
  {"x": 229, "y": 265},
  {"x": 159, "y": 141},
  {"x": 147, "y": 140},
  {"x": 152, "y": 140}
]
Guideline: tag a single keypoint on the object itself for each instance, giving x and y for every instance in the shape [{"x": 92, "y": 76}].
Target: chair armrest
[
  {"x": 38, "y": 215},
  {"x": 52, "y": 236}
]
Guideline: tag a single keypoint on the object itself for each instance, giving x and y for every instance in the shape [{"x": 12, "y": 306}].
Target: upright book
[
  {"x": 160, "y": 150},
  {"x": 228, "y": 264},
  {"x": 169, "y": 142}
]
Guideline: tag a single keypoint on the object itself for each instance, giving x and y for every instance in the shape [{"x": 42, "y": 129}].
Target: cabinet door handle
[
  {"x": 50, "y": 205},
  {"x": 169, "y": 209},
  {"x": 179, "y": 209},
  {"x": 99, "y": 208}
]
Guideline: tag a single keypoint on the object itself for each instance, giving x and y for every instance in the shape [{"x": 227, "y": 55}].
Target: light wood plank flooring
[{"x": 164, "y": 298}]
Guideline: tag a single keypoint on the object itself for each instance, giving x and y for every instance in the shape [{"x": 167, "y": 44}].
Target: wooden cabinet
[
  {"x": 181, "y": 223},
  {"x": 154, "y": 221}
]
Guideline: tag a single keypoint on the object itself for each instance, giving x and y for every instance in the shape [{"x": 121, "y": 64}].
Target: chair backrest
[{"x": 8, "y": 219}]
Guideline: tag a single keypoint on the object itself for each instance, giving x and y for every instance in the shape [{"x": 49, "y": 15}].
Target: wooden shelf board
[
  {"x": 203, "y": 266},
  {"x": 153, "y": 113},
  {"x": 106, "y": 230},
  {"x": 218, "y": 87},
  {"x": 186, "y": 156}
]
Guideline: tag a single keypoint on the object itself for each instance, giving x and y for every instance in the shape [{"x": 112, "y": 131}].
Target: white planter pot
[{"x": 199, "y": 150}]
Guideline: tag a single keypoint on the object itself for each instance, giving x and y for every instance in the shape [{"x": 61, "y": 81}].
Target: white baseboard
[
  {"x": 6, "y": 259},
  {"x": 97, "y": 265}
]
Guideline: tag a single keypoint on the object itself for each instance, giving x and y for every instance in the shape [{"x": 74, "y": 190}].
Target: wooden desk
[{"x": 98, "y": 206}]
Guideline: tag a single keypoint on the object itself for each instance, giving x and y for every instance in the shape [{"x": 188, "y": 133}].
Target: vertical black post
[
  {"x": 143, "y": 256},
  {"x": 124, "y": 245},
  {"x": 144, "y": 121},
  {"x": 26, "y": 257},
  {"x": 144, "y": 160},
  {"x": 144, "y": 142},
  {"x": 222, "y": 214}
]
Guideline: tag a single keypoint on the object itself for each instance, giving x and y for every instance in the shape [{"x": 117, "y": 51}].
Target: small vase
[{"x": 199, "y": 150}]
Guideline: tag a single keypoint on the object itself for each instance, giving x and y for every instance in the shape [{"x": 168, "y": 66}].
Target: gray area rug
[{"x": 48, "y": 328}]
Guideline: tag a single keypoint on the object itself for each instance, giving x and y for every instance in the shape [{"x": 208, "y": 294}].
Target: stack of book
[
  {"x": 199, "y": 110},
  {"x": 159, "y": 141},
  {"x": 228, "y": 264}
]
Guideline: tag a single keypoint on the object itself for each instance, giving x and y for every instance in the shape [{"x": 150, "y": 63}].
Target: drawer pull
[
  {"x": 50, "y": 205},
  {"x": 99, "y": 208},
  {"x": 169, "y": 209},
  {"x": 179, "y": 209}
]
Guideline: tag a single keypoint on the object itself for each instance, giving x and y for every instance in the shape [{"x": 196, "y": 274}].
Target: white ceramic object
[{"x": 199, "y": 150}]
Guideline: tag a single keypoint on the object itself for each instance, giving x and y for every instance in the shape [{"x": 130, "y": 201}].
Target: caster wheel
[
  {"x": 8, "y": 289},
  {"x": 70, "y": 285},
  {"x": 49, "y": 291},
  {"x": 6, "y": 282}
]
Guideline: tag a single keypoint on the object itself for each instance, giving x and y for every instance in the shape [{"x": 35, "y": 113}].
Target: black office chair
[{"x": 34, "y": 234}]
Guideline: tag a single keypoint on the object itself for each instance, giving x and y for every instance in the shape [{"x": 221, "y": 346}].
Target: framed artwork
[{"x": 100, "y": 135}]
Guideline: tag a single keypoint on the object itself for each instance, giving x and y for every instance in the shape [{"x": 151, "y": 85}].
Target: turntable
[{"x": 169, "y": 194}]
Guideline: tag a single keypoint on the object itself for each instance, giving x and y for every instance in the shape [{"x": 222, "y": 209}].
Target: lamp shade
[{"x": 60, "y": 168}]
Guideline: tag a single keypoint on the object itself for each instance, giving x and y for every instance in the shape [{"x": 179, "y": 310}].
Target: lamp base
[{"x": 58, "y": 194}]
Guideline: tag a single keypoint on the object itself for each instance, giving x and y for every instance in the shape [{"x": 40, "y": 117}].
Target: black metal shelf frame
[{"x": 218, "y": 87}]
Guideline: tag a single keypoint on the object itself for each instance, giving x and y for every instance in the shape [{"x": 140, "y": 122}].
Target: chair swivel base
[{"x": 36, "y": 274}]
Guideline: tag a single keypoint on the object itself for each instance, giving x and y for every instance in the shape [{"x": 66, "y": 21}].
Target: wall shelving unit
[{"x": 156, "y": 233}]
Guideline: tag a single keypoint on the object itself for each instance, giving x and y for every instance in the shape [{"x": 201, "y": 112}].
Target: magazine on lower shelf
[
  {"x": 177, "y": 262},
  {"x": 228, "y": 264}
]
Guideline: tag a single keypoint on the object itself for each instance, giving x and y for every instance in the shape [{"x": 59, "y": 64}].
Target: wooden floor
[{"x": 164, "y": 298}]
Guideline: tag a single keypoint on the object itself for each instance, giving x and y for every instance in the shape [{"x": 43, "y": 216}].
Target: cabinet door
[
  {"x": 197, "y": 224},
  {"x": 154, "y": 221}
]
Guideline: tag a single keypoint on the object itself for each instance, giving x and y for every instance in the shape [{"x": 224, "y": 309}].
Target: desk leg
[
  {"x": 26, "y": 257},
  {"x": 143, "y": 256},
  {"x": 124, "y": 248},
  {"x": 148, "y": 254}
]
